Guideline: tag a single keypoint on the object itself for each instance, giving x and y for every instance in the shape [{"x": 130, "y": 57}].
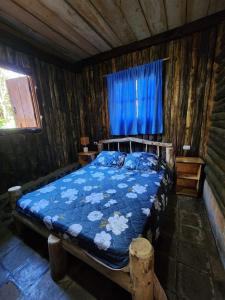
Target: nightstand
[
  {"x": 86, "y": 157},
  {"x": 188, "y": 173}
]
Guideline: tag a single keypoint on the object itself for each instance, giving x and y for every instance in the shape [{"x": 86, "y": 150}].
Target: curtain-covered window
[{"x": 135, "y": 100}]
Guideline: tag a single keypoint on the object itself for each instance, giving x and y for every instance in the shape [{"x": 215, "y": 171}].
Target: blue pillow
[
  {"x": 141, "y": 161},
  {"x": 147, "y": 163},
  {"x": 110, "y": 159}
]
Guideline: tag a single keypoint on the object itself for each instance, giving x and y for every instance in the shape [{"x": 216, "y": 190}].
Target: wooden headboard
[{"x": 168, "y": 146}]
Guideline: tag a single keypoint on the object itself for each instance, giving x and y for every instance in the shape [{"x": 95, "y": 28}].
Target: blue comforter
[{"x": 101, "y": 208}]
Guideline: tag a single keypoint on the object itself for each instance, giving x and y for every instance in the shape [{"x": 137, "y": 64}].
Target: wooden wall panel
[
  {"x": 215, "y": 158},
  {"x": 187, "y": 89},
  {"x": 25, "y": 156}
]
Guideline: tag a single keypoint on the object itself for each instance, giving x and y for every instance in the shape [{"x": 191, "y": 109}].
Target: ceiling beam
[
  {"x": 173, "y": 34},
  {"x": 16, "y": 41},
  {"x": 50, "y": 19}
]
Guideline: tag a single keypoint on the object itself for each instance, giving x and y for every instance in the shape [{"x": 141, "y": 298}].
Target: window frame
[{"x": 28, "y": 72}]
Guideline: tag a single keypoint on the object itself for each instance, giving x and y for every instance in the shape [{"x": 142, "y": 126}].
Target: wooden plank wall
[
  {"x": 76, "y": 104},
  {"x": 187, "y": 89},
  {"x": 25, "y": 156},
  {"x": 215, "y": 169}
]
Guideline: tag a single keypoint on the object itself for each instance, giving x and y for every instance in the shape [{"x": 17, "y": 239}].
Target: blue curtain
[{"x": 135, "y": 100}]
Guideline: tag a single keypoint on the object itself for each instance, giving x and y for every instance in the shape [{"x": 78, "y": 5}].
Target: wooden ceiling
[{"x": 78, "y": 29}]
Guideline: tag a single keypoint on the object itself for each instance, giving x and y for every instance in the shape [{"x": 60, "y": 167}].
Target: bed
[{"x": 98, "y": 212}]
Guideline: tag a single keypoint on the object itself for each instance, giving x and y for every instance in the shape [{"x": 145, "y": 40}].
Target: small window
[{"x": 18, "y": 101}]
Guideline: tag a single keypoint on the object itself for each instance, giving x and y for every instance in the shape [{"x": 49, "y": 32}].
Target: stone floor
[{"x": 187, "y": 263}]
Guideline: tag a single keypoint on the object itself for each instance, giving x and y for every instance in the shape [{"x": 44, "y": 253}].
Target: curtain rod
[{"x": 163, "y": 59}]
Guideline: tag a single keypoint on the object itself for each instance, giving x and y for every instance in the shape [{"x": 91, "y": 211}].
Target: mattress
[{"x": 101, "y": 208}]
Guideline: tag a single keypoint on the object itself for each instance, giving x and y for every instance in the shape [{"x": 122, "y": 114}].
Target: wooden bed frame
[{"x": 138, "y": 277}]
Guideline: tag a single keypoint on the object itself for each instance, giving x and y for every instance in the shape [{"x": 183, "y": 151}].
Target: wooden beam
[
  {"x": 57, "y": 258},
  {"x": 118, "y": 276},
  {"x": 87, "y": 10},
  {"x": 48, "y": 17},
  {"x": 141, "y": 255},
  {"x": 26, "y": 34},
  {"x": 115, "y": 18},
  {"x": 16, "y": 40},
  {"x": 14, "y": 193},
  {"x": 197, "y": 9},
  {"x": 215, "y": 6},
  {"x": 23, "y": 16},
  {"x": 136, "y": 140},
  {"x": 73, "y": 19},
  {"x": 173, "y": 34},
  {"x": 175, "y": 12},
  {"x": 155, "y": 15},
  {"x": 135, "y": 17}
]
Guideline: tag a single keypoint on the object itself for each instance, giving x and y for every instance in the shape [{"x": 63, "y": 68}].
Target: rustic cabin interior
[{"x": 112, "y": 149}]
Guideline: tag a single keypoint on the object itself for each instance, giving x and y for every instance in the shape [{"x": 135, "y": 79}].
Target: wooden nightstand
[
  {"x": 188, "y": 173},
  {"x": 86, "y": 157}
]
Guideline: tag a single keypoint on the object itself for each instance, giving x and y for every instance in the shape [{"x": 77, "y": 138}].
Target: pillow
[
  {"x": 141, "y": 161},
  {"x": 110, "y": 159},
  {"x": 147, "y": 163}
]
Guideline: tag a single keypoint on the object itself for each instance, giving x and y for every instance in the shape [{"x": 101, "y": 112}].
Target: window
[
  {"x": 135, "y": 100},
  {"x": 18, "y": 101}
]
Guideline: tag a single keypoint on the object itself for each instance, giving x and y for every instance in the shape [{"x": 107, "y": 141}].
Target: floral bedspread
[{"x": 101, "y": 208}]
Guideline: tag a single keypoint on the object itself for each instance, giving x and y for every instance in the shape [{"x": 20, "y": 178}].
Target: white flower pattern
[
  {"x": 71, "y": 194},
  {"x": 95, "y": 216},
  {"x": 80, "y": 180},
  {"x": 139, "y": 189},
  {"x": 110, "y": 203},
  {"x": 47, "y": 189},
  {"x": 100, "y": 203},
  {"x": 117, "y": 224},
  {"x": 122, "y": 185},
  {"x": 94, "y": 198},
  {"x": 39, "y": 205},
  {"x": 146, "y": 211},
  {"x": 102, "y": 240},
  {"x": 131, "y": 195},
  {"x": 74, "y": 229}
]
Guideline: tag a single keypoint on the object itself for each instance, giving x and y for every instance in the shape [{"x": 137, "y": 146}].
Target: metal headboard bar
[{"x": 168, "y": 146}]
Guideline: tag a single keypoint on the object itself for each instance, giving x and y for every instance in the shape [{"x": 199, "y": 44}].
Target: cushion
[
  {"x": 110, "y": 159},
  {"x": 143, "y": 161}
]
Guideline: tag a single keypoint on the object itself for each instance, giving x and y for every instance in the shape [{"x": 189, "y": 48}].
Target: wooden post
[
  {"x": 170, "y": 157},
  {"x": 141, "y": 269},
  {"x": 57, "y": 258},
  {"x": 15, "y": 193}
]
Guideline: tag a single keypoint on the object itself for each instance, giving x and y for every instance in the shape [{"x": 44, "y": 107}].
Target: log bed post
[
  {"x": 15, "y": 193},
  {"x": 57, "y": 258},
  {"x": 141, "y": 269},
  {"x": 170, "y": 157}
]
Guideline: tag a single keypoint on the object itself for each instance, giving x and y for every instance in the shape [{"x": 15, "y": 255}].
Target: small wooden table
[
  {"x": 188, "y": 173},
  {"x": 86, "y": 157}
]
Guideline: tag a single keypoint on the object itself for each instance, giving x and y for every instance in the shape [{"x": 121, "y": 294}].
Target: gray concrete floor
[{"x": 187, "y": 263}]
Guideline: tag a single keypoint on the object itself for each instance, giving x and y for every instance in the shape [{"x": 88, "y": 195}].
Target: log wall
[
  {"x": 187, "y": 89},
  {"x": 215, "y": 171},
  {"x": 76, "y": 104},
  {"x": 215, "y": 158},
  {"x": 24, "y": 155}
]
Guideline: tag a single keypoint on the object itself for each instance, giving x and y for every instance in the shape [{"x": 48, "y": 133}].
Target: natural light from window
[{"x": 18, "y": 102}]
